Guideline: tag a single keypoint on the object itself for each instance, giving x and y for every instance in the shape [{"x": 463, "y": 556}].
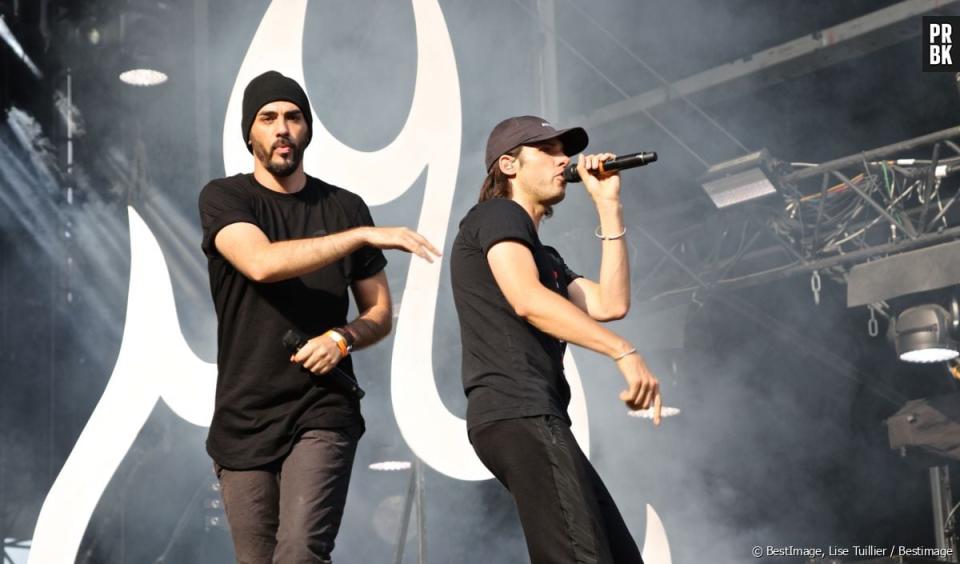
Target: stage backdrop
[{"x": 403, "y": 96}]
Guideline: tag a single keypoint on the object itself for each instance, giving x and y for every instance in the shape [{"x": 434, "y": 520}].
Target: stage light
[
  {"x": 390, "y": 466},
  {"x": 648, "y": 413},
  {"x": 143, "y": 77},
  {"x": 743, "y": 179},
  {"x": 925, "y": 334},
  {"x": 7, "y": 35},
  {"x": 138, "y": 66}
]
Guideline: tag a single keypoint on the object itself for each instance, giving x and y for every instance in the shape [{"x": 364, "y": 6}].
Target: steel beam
[{"x": 789, "y": 60}]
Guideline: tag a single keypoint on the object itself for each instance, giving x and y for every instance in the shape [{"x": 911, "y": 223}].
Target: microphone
[
  {"x": 293, "y": 341},
  {"x": 623, "y": 162}
]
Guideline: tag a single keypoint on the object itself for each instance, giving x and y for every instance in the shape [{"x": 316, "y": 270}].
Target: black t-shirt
[
  {"x": 510, "y": 368},
  {"x": 263, "y": 401}
]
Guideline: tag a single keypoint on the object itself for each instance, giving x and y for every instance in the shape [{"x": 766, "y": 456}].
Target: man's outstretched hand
[
  {"x": 643, "y": 388},
  {"x": 401, "y": 239}
]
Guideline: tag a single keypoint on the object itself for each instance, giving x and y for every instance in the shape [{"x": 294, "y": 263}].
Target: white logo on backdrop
[{"x": 155, "y": 363}]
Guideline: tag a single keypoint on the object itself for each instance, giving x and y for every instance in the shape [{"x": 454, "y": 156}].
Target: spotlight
[
  {"x": 138, "y": 67},
  {"x": 390, "y": 465},
  {"x": 648, "y": 413},
  {"x": 926, "y": 333},
  {"x": 143, "y": 77},
  {"x": 7, "y": 36},
  {"x": 743, "y": 179}
]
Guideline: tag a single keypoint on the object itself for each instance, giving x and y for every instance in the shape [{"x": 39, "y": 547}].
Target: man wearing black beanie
[{"x": 282, "y": 250}]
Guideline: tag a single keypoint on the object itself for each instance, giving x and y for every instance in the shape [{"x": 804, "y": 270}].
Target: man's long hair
[{"x": 497, "y": 183}]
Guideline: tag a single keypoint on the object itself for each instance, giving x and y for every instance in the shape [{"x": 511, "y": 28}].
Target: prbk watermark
[{"x": 939, "y": 35}]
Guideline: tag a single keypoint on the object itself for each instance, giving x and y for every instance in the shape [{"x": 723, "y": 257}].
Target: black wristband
[{"x": 347, "y": 335}]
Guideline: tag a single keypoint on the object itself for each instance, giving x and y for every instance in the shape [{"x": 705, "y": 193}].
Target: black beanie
[{"x": 270, "y": 87}]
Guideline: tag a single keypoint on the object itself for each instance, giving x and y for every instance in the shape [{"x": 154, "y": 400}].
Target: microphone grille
[{"x": 570, "y": 173}]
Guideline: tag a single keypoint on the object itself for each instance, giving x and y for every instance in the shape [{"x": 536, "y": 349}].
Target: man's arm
[
  {"x": 515, "y": 272},
  {"x": 248, "y": 249},
  {"x": 610, "y": 299},
  {"x": 320, "y": 354},
  {"x": 375, "y": 320}
]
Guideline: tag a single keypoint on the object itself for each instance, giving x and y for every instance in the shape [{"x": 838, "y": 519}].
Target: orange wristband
[{"x": 340, "y": 341}]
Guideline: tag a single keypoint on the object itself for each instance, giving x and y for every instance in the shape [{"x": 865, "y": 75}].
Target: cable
[
  {"x": 945, "y": 209},
  {"x": 672, "y": 292},
  {"x": 872, "y": 223},
  {"x": 744, "y": 247},
  {"x": 949, "y": 515},
  {"x": 761, "y": 273},
  {"x": 833, "y": 189},
  {"x": 839, "y": 205},
  {"x": 653, "y": 271},
  {"x": 723, "y": 281},
  {"x": 857, "y": 208},
  {"x": 613, "y": 84},
  {"x": 836, "y": 216},
  {"x": 658, "y": 76},
  {"x": 871, "y": 184},
  {"x": 932, "y": 183}
]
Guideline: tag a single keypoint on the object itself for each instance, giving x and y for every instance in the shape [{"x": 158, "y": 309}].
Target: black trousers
[
  {"x": 289, "y": 511},
  {"x": 566, "y": 512}
]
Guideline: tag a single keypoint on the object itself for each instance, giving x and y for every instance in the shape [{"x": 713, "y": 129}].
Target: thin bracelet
[
  {"x": 622, "y": 356},
  {"x": 611, "y": 238}
]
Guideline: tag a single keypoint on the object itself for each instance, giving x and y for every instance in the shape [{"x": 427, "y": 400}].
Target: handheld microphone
[
  {"x": 624, "y": 162},
  {"x": 293, "y": 341}
]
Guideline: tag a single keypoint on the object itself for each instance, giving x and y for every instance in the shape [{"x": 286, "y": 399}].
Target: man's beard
[{"x": 282, "y": 169}]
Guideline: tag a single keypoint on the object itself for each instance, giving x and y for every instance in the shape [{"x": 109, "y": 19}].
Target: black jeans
[
  {"x": 289, "y": 511},
  {"x": 566, "y": 512}
]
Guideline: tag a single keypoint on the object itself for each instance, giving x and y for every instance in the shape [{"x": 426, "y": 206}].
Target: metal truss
[
  {"x": 851, "y": 39},
  {"x": 826, "y": 218}
]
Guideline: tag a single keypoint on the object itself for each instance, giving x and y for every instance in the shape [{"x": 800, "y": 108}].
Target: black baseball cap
[{"x": 525, "y": 130}]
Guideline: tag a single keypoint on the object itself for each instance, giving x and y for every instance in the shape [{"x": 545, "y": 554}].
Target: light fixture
[
  {"x": 648, "y": 413},
  {"x": 143, "y": 77},
  {"x": 7, "y": 36},
  {"x": 926, "y": 333},
  {"x": 138, "y": 65},
  {"x": 390, "y": 465},
  {"x": 740, "y": 180}
]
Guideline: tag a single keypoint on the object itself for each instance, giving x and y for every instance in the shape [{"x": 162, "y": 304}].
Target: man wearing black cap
[
  {"x": 518, "y": 305},
  {"x": 283, "y": 248}
]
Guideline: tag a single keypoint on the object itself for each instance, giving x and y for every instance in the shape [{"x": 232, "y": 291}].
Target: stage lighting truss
[
  {"x": 884, "y": 201},
  {"x": 813, "y": 218}
]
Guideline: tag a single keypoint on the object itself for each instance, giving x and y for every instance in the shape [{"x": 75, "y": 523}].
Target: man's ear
[{"x": 507, "y": 164}]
